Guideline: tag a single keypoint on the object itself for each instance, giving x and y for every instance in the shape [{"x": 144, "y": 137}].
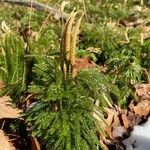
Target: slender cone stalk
[
  {"x": 68, "y": 43},
  {"x": 62, "y": 46},
  {"x": 73, "y": 43},
  {"x": 67, "y": 37}
]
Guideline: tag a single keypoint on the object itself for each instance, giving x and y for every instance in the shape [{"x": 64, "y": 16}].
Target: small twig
[
  {"x": 57, "y": 3},
  {"x": 30, "y": 15},
  {"x": 142, "y": 39},
  {"x": 84, "y": 9},
  {"x": 3, "y": 124},
  {"x": 17, "y": 136},
  {"x": 44, "y": 23},
  {"x": 39, "y": 6}
]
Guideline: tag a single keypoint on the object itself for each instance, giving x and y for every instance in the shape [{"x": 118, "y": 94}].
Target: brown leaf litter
[
  {"x": 120, "y": 121},
  {"x": 7, "y": 110},
  {"x": 5, "y": 143},
  {"x": 82, "y": 63}
]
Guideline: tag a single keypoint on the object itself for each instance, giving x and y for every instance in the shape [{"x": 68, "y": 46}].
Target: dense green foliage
[
  {"x": 63, "y": 116},
  {"x": 114, "y": 34},
  {"x": 12, "y": 64}
]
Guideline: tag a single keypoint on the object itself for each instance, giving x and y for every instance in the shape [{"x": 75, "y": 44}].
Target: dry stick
[
  {"x": 39, "y": 6},
  {"x": 2, "y": 125},
  {"x": 83, "y": 2},
  {"x": 142, "y": 39},
  {"x": 30, "y": 15},
  {"x": 57, "y": 3}
]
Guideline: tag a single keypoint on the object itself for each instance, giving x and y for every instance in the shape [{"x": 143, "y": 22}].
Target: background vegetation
[{"x": 114, "y": 35}]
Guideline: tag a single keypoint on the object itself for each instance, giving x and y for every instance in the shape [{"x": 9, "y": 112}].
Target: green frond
[
  {"x": 64, "y": 115},
  {"x": 12, "y": 63}
]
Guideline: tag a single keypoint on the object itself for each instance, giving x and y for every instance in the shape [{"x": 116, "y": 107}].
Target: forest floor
[{"x": 114, "y": 38}]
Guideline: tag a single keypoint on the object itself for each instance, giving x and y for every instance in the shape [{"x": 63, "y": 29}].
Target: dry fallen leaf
[
  {"x": 118, "y": 131},
  {"x": 142, "y": 108},
  {"x": 82, "y": 63},
  {"x": 142, "y": 91},
  {"x": 117, "y": 121},
  {"x": 133, "y": 118},
  {"x": 5, "y": 144},
  {"x": 7, "y": 110},
  {"x": 126, "y": 121},
  {"x": 131, "y": 22},
  {"x": 112, "y": 119}
]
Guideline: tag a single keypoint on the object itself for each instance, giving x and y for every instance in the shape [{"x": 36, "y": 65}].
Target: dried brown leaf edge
[
  {"x": 7, "y": 110},
  {"x": 5, "y": 143}
]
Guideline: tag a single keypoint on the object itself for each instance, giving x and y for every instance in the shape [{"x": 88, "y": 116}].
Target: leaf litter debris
[{"x": 120, "y": 122}]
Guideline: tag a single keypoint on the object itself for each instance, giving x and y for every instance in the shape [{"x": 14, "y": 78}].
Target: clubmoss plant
[{"x": 63, "y": 117}]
